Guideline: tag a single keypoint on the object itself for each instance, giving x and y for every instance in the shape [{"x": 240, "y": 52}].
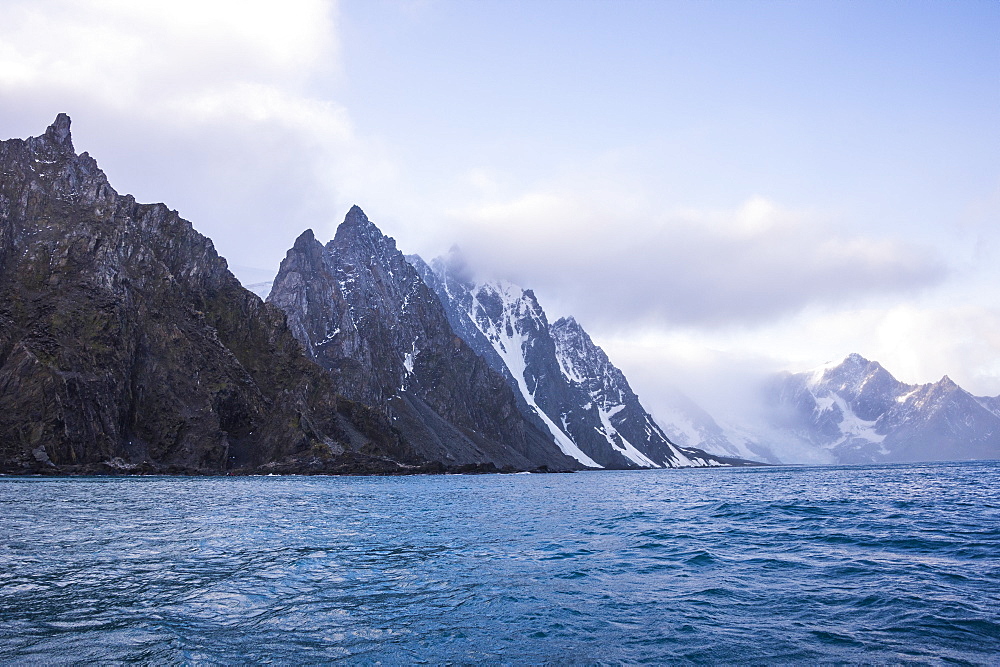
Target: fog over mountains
[
  {"x": 857, "y": 412},
  {"x": 847, "y": 412}
]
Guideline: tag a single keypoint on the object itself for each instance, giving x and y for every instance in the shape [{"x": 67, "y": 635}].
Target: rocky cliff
[
  {"x": 364, "y": 314},
  {"x": 126, "y": 344}
]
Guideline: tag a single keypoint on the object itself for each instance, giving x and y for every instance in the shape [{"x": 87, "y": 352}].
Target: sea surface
[{"x": 859, "y": 564}]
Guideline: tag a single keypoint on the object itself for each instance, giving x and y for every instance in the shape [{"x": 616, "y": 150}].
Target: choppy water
[{"x": 802, "y": 565}]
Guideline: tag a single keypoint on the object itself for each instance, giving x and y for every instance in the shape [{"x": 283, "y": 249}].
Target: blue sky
[{"x": 714, "y": 189}]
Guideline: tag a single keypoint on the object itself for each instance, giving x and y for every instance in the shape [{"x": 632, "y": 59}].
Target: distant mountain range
[
  {"x": 853, "y": 411},
  {"x": 859, "y": 413}
]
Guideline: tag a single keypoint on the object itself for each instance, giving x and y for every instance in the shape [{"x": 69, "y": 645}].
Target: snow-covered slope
[
  {"x": 625, "y": 424},
  {"x": 564, "y": 380}
]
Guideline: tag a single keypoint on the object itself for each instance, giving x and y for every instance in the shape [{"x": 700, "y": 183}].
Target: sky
[{"x": 715, "y": 190}]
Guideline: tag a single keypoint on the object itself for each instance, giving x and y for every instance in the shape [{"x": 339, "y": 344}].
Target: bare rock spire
[{"x": 58, "y": 132}]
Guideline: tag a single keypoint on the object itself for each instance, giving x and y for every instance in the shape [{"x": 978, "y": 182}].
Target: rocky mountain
[
  {"x": 561, "y": 376},
  {"x": 364, "y": 314},
  {"x": 857, "y": 412},
  {"x": 126, "y": 344}
]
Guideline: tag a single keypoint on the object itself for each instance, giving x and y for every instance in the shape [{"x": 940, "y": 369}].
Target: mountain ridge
[{"x": 594, "y": 416}]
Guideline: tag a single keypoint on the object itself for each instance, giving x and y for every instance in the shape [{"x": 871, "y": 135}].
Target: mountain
[
  {"x": 126, "y": 344},
  {"x": 364, "y": 314},
  {"x": 561, "y": 376},
  {"x": 857, "y": 412}
]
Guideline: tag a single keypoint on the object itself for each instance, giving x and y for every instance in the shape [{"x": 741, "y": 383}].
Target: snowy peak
[
  {"x": 586, "y": 364},
  {"x": 858, "y": 412},
  {"x": 864, "y": 385},
  {"x": 850, "y": 375},
  {"x": 947, "y": 384}
]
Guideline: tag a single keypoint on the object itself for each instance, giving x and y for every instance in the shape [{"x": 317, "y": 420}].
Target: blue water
[{"x": 777, "y": 565}]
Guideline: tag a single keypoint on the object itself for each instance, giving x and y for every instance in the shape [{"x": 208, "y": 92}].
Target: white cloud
[
  {"x": 619, "y": 260},
  {"x": 208, "y": 105},
  {"x": 129, "y": 51}
]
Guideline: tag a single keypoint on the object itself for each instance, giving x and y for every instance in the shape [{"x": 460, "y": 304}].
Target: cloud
[
  {"x": 630, "y": 264},
  {"x": 210, "y": 106}
]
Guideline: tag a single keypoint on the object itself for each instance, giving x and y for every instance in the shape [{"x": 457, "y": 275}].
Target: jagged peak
[
  {"x": 416, "y": 260},
  {"x": 58, "y": 132},
  {"x": 855, "y": 359},
  {"x": 852, "y": 363},
  {"x": 305, "y": 240},
  {"x": 568, "y": 327},
  {"x": 357, "y": 227},
  {"x": 356, "y": 216},
  {"x": 947, "y": 383}
]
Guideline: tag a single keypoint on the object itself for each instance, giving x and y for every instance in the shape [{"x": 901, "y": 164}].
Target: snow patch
[
  {"x": 329, "y": 337},
  {"x": 626, "y": 448}
]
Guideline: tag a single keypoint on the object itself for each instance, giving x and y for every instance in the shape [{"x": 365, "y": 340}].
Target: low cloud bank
[{"x": 702, "y": 268}]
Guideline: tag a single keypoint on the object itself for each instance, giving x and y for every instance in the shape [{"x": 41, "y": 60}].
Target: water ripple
[{"x": 870, "y": 564}]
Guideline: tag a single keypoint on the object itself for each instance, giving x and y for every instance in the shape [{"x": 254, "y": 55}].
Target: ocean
[{"x": 856, "y": 564}]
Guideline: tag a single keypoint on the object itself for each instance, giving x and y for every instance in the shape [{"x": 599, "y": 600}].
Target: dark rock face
[
  {"x": 860, "y": 413},
  {"x": 362, "y": 312},
  {"x": 563, "y": 379},
  {"x": 126, "y": 343}
]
